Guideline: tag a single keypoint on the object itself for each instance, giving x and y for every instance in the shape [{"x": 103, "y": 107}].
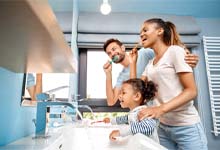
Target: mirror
[{"x": 36, "y": 83}]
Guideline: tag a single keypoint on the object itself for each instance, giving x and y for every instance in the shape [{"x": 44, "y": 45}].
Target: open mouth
[{"x": 144, "y": 39}]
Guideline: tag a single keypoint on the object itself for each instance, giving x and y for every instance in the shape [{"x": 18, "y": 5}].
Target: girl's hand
[
  {"x": 191, "y": 59},
  {"x": 114, "y": 134},
  {"x": 150, "y": 112},
  {"x": 106, "y": 120}
]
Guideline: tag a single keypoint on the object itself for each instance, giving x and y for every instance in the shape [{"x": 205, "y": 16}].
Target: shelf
[{"x": 31, "y": 39}]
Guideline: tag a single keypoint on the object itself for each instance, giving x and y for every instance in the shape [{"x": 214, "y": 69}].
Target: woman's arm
[
  {"x": 189, "y": 92},
  {"x": 133, "y": 55}
]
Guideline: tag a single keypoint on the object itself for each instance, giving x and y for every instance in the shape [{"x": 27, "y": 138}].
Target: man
[{"x": 114, "y": 48}]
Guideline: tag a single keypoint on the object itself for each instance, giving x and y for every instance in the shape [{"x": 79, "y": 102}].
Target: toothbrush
[
  {"x": 97, "y": 121},
  {"x": 135, "y": 49},
  {"x": 115, "y": 58},
  {"x": 137, "y": 45}
]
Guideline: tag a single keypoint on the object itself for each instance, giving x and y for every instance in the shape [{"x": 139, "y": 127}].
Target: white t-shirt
[{"x": 164, "y": 74}]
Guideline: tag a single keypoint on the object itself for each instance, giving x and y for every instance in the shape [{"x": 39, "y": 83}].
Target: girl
[
  {"x": 180, "y": 127},
  {"x": 135, "y": 93}
]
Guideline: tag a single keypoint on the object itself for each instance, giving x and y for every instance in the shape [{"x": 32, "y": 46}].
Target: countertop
[
  {"x": 84, "y": 137},
  {"x": 31, "y": 143}
]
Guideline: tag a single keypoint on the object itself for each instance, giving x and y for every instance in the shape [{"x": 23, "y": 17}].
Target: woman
[{"x": 180, "y": 127}]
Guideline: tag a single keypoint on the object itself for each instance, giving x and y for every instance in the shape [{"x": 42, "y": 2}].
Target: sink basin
[
  {"x": 96, "y": 137},
  {"x": 84, "y": 136}
]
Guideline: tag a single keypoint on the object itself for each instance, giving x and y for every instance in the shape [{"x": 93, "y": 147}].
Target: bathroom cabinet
[{"x": 31, "y": 39}]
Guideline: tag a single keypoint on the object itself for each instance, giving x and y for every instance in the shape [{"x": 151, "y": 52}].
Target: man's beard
[{"x": 121, "y": 58}]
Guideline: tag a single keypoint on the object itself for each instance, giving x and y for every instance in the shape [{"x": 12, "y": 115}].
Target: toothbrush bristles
[{"x": 115, "y": 58}]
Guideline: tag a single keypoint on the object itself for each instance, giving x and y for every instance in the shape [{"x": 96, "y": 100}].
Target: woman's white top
[{"x": 165, "y": 74}]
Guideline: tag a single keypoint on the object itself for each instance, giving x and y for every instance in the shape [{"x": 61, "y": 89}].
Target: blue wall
[
  {"x": 16, "y": 121},
  {"x": 210, "y": 27}
]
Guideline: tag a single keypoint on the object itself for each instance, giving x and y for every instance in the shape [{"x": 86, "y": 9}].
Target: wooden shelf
[{"x": 31, "y": 39}]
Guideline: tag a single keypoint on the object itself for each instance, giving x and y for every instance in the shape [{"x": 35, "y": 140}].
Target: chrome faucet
[
  {"x": 46, "y": 101},
  {"x": 48, "y": 95},
  {"x": 41, "y": 122}
]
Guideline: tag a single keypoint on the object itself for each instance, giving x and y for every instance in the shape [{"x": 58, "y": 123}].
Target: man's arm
[
  {"x": 38, "y": 86},
  {"x": 111, "y": 93},
  {"x": 30, "y": 86},
  {"x": 31, "y": 92}
]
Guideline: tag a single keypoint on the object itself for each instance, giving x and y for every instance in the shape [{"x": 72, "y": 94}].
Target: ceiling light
[{"x": 105, "y": 7}]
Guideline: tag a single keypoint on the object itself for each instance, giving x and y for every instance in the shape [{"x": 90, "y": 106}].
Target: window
[
  {"x": 96, "y": 75},
  {"x": 92, "y": 80}
]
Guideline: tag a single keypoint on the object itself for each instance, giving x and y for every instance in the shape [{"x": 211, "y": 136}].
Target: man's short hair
[{"x": 109, "y": 41}]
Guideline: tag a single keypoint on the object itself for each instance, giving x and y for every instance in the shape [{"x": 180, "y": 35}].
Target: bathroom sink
[
  {"x": 83, "y": 135},
  {"x": 96, "y": 137},
  {"x": 90, "y": 138}
]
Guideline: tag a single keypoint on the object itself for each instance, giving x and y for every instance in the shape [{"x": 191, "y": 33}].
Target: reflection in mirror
[{"x": 40, "y": 83}]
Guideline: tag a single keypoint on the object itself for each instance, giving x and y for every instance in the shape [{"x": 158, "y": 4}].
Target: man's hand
[
  {"x": 191, "y": 59},
  {"x": 107, "y": 67}
]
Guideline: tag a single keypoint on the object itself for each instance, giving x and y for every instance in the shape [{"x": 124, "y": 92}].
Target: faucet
[
  {"x": 48, "y": 94},
  {"x": 41, "y": 123},
  {"x": 45, "y": 100}
]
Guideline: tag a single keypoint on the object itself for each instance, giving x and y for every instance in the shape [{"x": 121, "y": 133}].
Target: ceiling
[{"x": 196, "y": 8}]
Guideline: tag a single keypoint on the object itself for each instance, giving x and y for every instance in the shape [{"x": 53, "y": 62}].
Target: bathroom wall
[
  {"x": 16, "y": 121},
  {"x": 209, "y": 27}
]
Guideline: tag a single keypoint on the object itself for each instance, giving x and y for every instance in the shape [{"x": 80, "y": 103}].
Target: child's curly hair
[{"x": 147, "y": 89}]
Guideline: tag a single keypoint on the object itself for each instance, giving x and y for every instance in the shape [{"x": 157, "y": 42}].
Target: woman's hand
[
  {"x": 133, "y": 55},
  {"x": 151, "y": 112},
  {"x": 114, "y": 134},
  {"x": 191, "y": 59}
]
